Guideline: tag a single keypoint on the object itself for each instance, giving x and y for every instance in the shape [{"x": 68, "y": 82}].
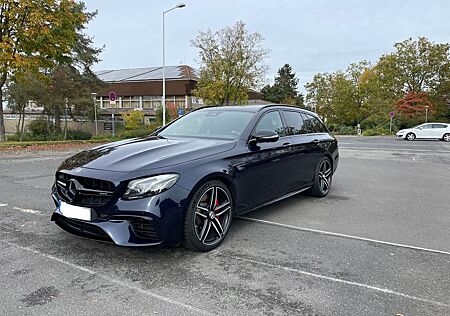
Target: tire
[
  {"x": 208, "y": 217},
  {"x": 446, "y": 137},
  {"x": 322, "y": 178},
  {"x": 410, "y": 136}
]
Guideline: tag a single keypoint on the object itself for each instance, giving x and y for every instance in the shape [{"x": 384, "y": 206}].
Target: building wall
[{"x": 11, "y": 126}]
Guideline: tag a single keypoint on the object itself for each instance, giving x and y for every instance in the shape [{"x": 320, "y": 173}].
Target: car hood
[{"x": 146, "y": 153}]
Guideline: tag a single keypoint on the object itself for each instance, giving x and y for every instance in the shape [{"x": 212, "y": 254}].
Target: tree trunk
[
  {"x": 65, "y": 121},
  {"x": 57, "y": 117},
  {"x": 2, "y": 122},
  {"x": 18, "y": 123},
  {"x": 23, "y": 124}
]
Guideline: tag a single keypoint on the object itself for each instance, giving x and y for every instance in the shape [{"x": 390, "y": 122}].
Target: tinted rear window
[
  {"x": 294, "y": 123},
  {"x": 313, "y": 124}
]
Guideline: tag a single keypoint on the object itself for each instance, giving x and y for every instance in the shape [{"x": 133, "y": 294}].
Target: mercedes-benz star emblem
[{"x": 72, "y": 190}]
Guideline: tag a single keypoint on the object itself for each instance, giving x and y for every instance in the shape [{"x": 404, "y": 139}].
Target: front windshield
[{"x": 224, "y": 124}]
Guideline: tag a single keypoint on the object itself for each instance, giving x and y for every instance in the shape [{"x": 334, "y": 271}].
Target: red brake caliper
[{"x": 217, "y": 204}]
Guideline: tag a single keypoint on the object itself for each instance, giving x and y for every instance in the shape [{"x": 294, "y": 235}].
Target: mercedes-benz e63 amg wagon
[{"x": 186, "y": 181}]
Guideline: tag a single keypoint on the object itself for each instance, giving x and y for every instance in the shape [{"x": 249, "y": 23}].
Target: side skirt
[{"x": 285, "y": 196}]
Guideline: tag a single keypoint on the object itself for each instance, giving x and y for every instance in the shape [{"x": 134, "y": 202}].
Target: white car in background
[{"x": 426, "y": 131}]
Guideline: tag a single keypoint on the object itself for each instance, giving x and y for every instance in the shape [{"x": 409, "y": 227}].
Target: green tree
[
  {"x": 284, "y": 89},
  {"x": 232, "y": 61},
  {"x": 339, "y": 97},
  {"x": 366, "y": 94},
  {"x": 36, "y": 34},
  {"x": 417, "y": 66},
  {"x": 133, "y": 119},
  {"x": 20, "y": 92},
  {"x": 319, "y": 95}
]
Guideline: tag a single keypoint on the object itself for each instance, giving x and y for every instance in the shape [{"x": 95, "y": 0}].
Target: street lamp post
[
  {"x": 94, "y": 96},
  {"x": 426, "y": 114},
  {"x": 178, "y": 6}
]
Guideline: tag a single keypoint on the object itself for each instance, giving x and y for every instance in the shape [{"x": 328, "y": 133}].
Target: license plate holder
[{"x": 75, "y": 212}]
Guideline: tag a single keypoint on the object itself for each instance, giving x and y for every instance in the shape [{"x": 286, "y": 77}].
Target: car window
[
  {"x": 439, "y": 126},
  {"x": 271, "y": 122},
  {"x": 294, "y": 123},
  {"x": 308, "y": 124},
  {"x": 207, "y": 123},
  {"x": 318, "y": 125},
  {"x": 313, "y": 124},
  {"x": 426, "y": 126}
]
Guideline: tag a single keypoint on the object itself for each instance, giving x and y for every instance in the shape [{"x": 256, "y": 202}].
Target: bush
[
  {"x": 40, "y": 129},
  {"x": 342, "y": 129},
  {"x": 376, "y": 131},
  {"x": 77, "y": 135},
  {"x": 133, "y": 119},
  {"x": 102, "y": 137},
  {"x": 12, "y": 138},
  {"x": 133, "y": 133},
  {"x": 141, "y": 132}
]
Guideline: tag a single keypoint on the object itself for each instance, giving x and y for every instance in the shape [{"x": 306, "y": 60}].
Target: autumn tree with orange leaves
[
  {"x": 36, "y": 35},
  {"x": 414, "y": 104}
]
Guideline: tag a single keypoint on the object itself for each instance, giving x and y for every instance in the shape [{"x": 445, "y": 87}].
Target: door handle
[
  {"x": 286, "y": 145},
  {"x": 316, "y": 141}
]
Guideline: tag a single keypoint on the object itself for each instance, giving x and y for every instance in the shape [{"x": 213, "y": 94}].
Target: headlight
[{"x": 145, "y": 187}]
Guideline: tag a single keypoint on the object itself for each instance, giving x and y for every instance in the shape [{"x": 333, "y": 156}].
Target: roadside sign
[
  {"x": 391, "y": 115},
  {"x": 180, "y": 112},
  {"x": 112, "y": 98},
  {"x": 107, "y": 126}
]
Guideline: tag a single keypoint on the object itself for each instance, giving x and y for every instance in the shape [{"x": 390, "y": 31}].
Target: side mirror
[{"x": 265, "y": 137}]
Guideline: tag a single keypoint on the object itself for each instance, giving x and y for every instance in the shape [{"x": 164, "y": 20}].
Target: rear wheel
[
  {"x": 410, "y": 136},
  {"x": 322, "y": 179},
  {"x": 446, "y": 137},
  {"x": 208, "y": 217}
]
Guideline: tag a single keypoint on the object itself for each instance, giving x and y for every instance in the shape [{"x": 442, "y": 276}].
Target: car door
[
  {"x": 424, "y": 131},
  {"x": 439, "y": 130},
  {"x": 300, "y": 161},
  {"x": 315, "y": 139},
  {"x": 267, "y": 173}
]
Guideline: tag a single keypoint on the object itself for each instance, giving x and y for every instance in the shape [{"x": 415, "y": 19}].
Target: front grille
[
  {"x": 84, "y": 191},
  {"x": 144, "y": 228}
]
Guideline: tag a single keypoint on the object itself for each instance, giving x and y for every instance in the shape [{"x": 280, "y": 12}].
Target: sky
[{"x": 311, "y": 36}]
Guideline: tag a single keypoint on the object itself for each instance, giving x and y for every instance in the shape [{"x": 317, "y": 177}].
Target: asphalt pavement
[{"x": 378, "y": 244}]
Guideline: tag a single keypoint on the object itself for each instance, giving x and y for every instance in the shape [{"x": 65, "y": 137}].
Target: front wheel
[
  {"x": 446, "y": 137},
  {"x": 208, "y": 217},
  {"x": 322, "y": 179},
  {"x": 410, "y": 136}
]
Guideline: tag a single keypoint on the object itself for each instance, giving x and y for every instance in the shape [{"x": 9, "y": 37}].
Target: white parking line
[
  {"x": 261, "y": 221},
  {"x": 28, "y": 210},
  {"x": 394, "y": 149},
  {"x": 324, "y": 277},
  {"x": 111, "y": 280},
  {"x": 3, "y": 204}
]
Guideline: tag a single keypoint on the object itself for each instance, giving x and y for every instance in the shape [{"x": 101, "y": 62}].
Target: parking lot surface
[{"x": 378, "y": 244}]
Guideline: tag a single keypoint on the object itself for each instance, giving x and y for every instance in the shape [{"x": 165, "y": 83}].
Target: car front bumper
[{"x": 142, "y": 222}]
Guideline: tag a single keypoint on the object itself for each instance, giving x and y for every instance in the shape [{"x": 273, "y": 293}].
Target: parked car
[
  {"x": 426, "y": 131},
  {"x": 185, "y": 182}
]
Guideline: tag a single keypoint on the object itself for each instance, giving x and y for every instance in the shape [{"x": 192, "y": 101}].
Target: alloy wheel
[
  {"x": 325, "y": 172},
  {"x": 212, "y": 216},
  {"x": 410, "y": 136},
  {"x": 447, "y": 137}
]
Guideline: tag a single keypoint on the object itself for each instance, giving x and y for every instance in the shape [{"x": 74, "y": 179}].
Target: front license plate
[{"x": 75, "y": 212}]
